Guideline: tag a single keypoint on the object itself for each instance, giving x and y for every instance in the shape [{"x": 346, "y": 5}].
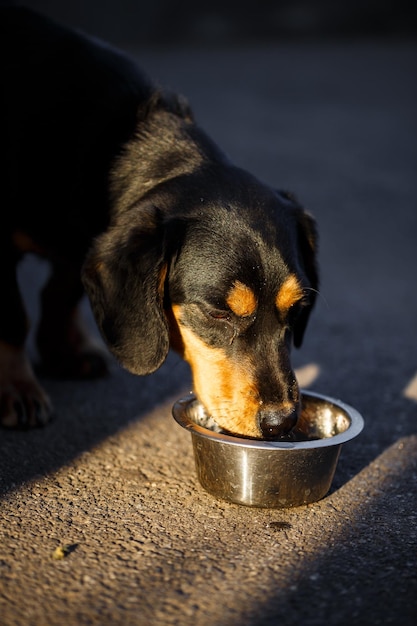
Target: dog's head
[{"x": 223, "y": 269}]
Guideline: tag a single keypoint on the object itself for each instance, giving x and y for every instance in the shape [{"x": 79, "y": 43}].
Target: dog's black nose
[{"x": 275, "y": 423}]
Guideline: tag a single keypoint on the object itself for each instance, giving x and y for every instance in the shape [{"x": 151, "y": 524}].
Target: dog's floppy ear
[
  {"x": 124, "y": 275},
  {"x": 307, "y": 245}
]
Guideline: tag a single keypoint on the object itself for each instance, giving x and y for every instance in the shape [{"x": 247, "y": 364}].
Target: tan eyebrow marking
[
  {"x": 290, "y": 292},
  {"x": 241, "y": 299}
]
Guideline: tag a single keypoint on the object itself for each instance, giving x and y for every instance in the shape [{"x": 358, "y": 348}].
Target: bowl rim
[{"x": 355, "y": 428}]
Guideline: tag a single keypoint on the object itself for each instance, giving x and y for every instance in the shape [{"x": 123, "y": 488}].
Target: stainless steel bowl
[{"x": 271, "y": 474}]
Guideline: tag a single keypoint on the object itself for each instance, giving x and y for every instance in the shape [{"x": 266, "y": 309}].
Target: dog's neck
[{"x": 165, "y": 145}]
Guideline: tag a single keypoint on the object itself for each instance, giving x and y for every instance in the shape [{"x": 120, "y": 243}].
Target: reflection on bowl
[{"x": 273, "y": 474}]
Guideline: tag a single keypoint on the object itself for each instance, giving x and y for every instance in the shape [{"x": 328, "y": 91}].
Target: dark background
[{"x": 226, "y": 21}]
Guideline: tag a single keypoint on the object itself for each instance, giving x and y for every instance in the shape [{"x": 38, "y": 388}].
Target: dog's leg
[
  {"x": 66, "y": 348},
  {"x": 23, "y": 403}
]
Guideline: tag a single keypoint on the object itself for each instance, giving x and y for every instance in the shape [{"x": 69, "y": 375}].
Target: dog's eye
[
  {"x": 295, "y": 310},
  {"x": 304, "y": 302},
  {"x": 219, "y": 315}
]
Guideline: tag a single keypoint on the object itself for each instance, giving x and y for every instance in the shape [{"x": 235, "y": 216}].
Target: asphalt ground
[{"x": 113, "y": 476}]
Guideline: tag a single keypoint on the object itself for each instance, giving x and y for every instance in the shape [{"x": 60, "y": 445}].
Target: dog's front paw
[{"x": 23, "y": 403}]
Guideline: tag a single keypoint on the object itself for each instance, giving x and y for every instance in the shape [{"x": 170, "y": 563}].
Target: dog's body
[{"x": 111, "y": 179}]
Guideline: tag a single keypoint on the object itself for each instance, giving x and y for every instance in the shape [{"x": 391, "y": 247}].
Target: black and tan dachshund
[{"x": 111, "y": 180}]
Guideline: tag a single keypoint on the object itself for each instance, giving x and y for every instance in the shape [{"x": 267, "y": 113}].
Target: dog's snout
[{"x": 276, "y": 423}]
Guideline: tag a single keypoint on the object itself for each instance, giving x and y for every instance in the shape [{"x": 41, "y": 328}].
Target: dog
[{"x": 110, "y": 178}]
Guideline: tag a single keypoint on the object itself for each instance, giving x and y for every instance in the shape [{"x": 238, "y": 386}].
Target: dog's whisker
[{"x": 319, "y": 293}]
